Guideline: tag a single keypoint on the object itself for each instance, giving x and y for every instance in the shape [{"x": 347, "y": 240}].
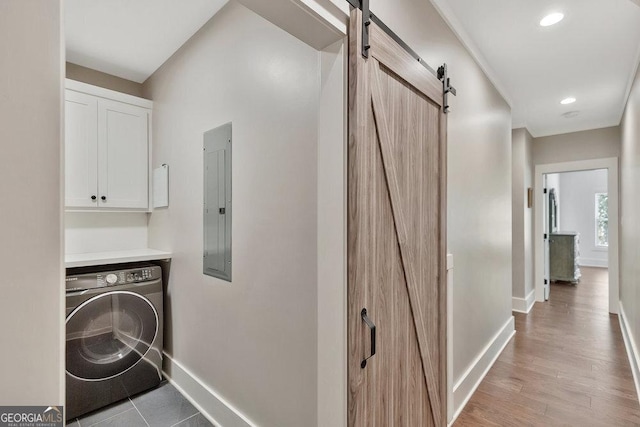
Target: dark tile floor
[{"x": 161, "y": 407}]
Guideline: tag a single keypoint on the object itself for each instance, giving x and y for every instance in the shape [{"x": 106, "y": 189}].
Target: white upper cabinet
[
  {"x": 123, "y": 155},
  {"x": 107, "y": 147},
  {"x": 81, "y": 150}
]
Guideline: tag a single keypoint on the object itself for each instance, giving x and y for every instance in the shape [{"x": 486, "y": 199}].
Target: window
[{"x": 602, "y": 219}]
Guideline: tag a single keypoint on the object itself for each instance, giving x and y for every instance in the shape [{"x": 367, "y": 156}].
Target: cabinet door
[
  {"x": 123, "y": 159},
  {"x": 81, "y": 150}
]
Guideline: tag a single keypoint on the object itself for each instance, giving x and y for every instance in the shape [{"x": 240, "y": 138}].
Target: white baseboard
[
  {"x": 471, "y": 379},
  {"x": 207, "y": 401},
  {"x": 593, "y": 262},
  {"x": 632, "y": 349},
  {"x": 524, "y": 305}
]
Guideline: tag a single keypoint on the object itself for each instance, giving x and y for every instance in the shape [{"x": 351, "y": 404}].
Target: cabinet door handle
[
  {"x": 103, "y": 198},
  {"x": 372, "y": 329},
  {"x": 93, "y": 197}
]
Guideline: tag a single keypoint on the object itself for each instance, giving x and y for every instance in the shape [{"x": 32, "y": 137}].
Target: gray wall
[
  {"x": 188, "y": 101},
  {"x": 479, "y": 179},
  {"x": 577, "y": 204},
  {"x": 522, "y": 245},
  {"x": 253, "y": 341},
  {"x": 630, "y": 208},
  {"x": 31, "y": 305},
  {"x": 586, "y": 145},
  {"x": 98, "y": 78}
]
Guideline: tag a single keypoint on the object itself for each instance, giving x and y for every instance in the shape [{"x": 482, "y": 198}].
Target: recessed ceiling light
[
  {"x": 551, "y": 19},
  {"x": 569, "y": 100}
]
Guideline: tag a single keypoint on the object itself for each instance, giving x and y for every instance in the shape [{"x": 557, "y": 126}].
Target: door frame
[
  {"x": 546, "y": 229},
  {"x": 611, "y": 164}
]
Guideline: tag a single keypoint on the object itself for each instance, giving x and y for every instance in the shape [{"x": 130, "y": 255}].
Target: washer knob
[{"x": 111, "y": 279}]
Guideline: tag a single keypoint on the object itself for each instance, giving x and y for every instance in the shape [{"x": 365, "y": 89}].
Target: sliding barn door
[{"x": 397, "y": 237}]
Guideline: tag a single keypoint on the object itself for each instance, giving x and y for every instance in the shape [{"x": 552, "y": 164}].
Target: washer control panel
[{"x": 78, "y": 282}]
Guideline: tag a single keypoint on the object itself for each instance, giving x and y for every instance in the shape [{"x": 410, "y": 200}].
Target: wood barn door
[{"x": 396, "y": 236}]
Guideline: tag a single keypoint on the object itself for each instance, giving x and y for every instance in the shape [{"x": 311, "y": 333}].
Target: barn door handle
[{"x": 372, "y": 329}]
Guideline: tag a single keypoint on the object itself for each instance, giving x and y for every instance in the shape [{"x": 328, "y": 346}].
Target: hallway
[{"x": 566, "y": 365}]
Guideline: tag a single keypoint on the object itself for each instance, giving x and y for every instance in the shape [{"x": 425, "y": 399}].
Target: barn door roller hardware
[
  {"x": 366, "y": 21},
  {"x": 368, "y": 17},
  {"x": 446, "y": 85}
]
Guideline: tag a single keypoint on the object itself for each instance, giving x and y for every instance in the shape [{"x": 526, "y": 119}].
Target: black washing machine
[{"x": 113, "y": 335}]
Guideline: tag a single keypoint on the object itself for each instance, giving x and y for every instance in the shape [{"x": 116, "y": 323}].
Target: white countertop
[{"x": 115, "y": 257}]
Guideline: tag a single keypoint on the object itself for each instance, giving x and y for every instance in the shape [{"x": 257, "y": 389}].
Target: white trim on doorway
[{"x": 611, "y": 164}]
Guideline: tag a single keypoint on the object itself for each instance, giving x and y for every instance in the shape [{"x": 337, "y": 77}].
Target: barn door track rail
[{"x": 368, "y": 17}]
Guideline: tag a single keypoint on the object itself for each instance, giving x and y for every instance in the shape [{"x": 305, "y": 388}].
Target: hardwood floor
[{"x": 566, "y": 365}]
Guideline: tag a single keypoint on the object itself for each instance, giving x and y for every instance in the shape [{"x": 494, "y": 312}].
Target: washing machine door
[{"x": 109, "y": 334}]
